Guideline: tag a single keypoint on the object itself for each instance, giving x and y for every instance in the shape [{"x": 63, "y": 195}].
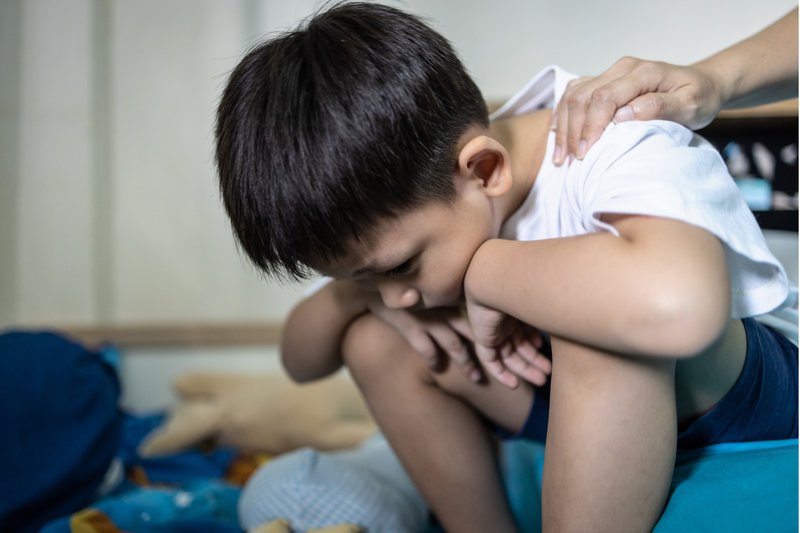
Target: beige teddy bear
[{"x": 265, "y": 413}]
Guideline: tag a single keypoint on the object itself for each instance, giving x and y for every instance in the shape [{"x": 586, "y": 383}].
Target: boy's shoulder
[
  {"x": 658, "y": 151},
  {"x": 643, "y": 137}
]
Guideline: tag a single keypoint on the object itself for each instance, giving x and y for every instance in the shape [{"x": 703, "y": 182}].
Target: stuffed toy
[
  {"x": 331, "y": 471},
  {"x": 282, "y": 526},
  {"x": 261, "y": 413}
]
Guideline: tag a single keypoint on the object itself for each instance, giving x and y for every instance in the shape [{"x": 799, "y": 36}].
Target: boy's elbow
[
  {"x": 305, "y": 363},
  {"x": 685, "y": 321},
  {"x": 298, "y": 368},
  {"x": 698, "y": 323},
  {"x": 294, "y": 371}
]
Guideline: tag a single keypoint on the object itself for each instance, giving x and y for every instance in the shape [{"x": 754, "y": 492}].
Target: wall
[
  {"x": 10, "y": 58},
  {"x": 108, "y": 206}
]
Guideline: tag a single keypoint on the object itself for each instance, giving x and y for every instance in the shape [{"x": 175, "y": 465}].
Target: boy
[{"x": 358, "y": 147}]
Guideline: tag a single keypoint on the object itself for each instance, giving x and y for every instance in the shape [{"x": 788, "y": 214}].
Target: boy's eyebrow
[
  {"x": 369, "y": 269},
  {"x": 378, "y": 268}
]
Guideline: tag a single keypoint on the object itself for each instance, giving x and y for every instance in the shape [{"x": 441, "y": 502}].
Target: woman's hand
[{"x": 632, "y": 89}]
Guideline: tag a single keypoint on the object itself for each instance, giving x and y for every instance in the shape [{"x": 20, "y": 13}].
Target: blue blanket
[{"x": 734, "y": 487}]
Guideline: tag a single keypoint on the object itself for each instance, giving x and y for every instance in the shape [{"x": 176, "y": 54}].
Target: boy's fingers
[
  {"x": 472, "y": 372},
  {"x": 424, "y": 346},
  {"x": 526, "y": 349},
  {"x": 461, "y": 325},
  {"x": 493, "y": 364},
  {"x": 456, "y": 349},
  {"x": 532, "y": 356},
  {"x": 525, "y": 370},
  {"x": 537, "y": 339},
  {"x": 450, "y": 342}
]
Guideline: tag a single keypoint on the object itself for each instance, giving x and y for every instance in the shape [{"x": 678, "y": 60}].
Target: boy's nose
[{"x": 397, "y": 296}]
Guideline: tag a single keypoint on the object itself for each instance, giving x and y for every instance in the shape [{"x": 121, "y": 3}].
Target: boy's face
[{"x": 419, "y": 259}]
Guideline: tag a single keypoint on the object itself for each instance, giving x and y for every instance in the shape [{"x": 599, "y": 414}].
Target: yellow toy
[{"x": 282, "y": 526}]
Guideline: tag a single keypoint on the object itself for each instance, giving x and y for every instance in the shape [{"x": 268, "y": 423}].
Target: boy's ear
[{"x": 487, "y": 160}]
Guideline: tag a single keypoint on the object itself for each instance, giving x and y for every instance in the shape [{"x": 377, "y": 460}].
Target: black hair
[{"x": 328, "y": 129}]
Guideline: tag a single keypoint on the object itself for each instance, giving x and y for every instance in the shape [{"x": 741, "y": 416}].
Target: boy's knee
[
  {"x": 589, "y": 369},
  {"x": 367, "y": 343},
  {"x": 372, "y": 349}
]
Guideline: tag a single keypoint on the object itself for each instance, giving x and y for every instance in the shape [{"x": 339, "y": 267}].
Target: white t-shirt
[{"x": 655, "y": 168}]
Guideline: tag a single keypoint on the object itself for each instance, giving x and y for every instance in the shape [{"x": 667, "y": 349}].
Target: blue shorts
[{"x": 761, "y": 405}]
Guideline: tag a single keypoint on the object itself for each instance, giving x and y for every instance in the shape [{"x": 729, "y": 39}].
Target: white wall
[
  {"x": 107, "y": 171},
  {"x": 504, "y": 42},
  {"x": 108, "y": 204},
  {"x": 172, "y": 254},
  {"x": 10, "y": 58}
]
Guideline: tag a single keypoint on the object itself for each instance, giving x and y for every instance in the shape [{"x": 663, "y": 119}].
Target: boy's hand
[
  {"x": 506, "y": 347},
  {"x": 433, "y": 332}
]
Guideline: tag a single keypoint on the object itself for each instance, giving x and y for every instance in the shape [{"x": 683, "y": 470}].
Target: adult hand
[
  {"x": 632, "y": 89},
  {"x": 433, "y": 333},
  {"x": 506, "y": 347}
]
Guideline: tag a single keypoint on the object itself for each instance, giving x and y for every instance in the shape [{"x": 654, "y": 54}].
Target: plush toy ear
[
  {"x": 187, "y": 425},
  {"x": 209, "y": 384}
]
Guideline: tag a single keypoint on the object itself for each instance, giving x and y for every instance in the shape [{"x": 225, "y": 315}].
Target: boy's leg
[
  {"x": 610, "y": 441},
  {"x": 431, "y": 421}
]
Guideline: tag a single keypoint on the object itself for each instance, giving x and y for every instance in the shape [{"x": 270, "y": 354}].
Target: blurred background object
[{"x": 110, "y": 221}]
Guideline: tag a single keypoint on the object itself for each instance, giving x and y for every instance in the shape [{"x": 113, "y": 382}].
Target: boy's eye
[{"x": 401, "y": 269}]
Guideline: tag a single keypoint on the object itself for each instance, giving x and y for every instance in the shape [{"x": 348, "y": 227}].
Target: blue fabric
[
  {"x": 761, "y": 405},
  {"x": 535, "y": 426},
  {"x": 200, "y": 506},
  {"x": 60, "y": 422},
  {"x": 190, "y": 465},
  {"x": 188, "y": 492},
  {"x": 731, "y": 487}
]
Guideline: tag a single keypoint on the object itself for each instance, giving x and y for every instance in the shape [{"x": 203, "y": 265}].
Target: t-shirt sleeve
[{"x": 661, "y": 169}]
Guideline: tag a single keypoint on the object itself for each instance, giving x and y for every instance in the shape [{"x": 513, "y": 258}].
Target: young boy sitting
[{"x": 357, "y": 146}]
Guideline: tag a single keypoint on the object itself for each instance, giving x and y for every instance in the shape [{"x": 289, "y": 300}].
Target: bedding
[
  {"x": 70, "y": 463},
  {"x": 731, "y": 487}
]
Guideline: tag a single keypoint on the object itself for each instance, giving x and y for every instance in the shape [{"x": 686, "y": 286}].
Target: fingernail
[
  {"x": 624, "y": 114},
  {"x": 581, "y": 149},
  {"x": 558, "y": 155},
  {"x": 475, "y": 376}
]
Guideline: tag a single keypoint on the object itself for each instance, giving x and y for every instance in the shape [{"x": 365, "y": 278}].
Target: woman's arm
[
  {"x": 660, "y": 289},
  {"x": 757, "y": 70}
]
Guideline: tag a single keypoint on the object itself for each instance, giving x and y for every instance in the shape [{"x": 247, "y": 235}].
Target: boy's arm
[
  {"x": 312, "y": 334},
  {"x": 661, "y": 288}
]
